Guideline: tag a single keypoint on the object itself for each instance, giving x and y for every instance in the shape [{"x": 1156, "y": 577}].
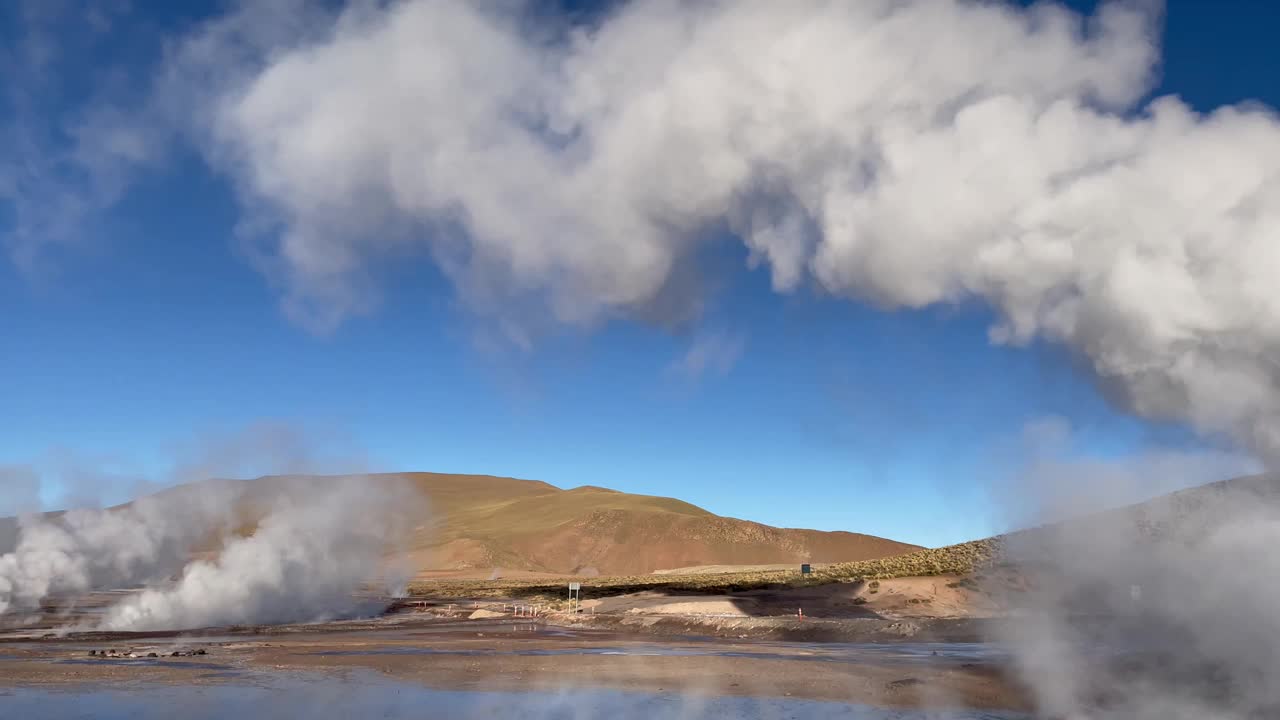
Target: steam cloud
[
  {"x": 906, "y": 153},
  {"x": 315, "y": 543},
  {"x": 210, "y": 552},
  {"x": 305, "y": 561},
  {"x": 93, "y": 548},
  {"x": 1163, "y": 612}
]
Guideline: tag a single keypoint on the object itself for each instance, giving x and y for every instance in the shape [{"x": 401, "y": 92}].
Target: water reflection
[
  {"x": 932, "y": 653},
  {"x": 369, "y": 696}
]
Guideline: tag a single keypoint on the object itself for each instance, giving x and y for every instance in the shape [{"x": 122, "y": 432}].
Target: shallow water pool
[
  {"x": 931, "y": 653},
  {"x": 370, "y": 696}
]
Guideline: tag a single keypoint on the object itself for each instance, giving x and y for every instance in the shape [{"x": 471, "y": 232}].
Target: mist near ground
[
  {"x": 1161, "y": 610},
  {"x": 220, "y": 552},
  {"x": 309, "y": 555},
  {"x": 85, "y": 549}
]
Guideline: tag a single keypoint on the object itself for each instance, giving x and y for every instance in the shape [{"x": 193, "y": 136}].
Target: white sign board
[{"x": 575, "y": 586}]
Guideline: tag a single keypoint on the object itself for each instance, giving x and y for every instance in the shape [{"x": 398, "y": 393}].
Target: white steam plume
[
  {"x": 306, "y": 560},
  {"x": 315, "y": 540},
  {"x": 1139, "y": 612},
  {"x": 907, "y": 152},
  {"x": 85, "y": 549},
  {"x": 1164, "y": 612}
]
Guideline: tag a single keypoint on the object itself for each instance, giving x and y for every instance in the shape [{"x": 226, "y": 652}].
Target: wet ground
[
  {"x": 423, "y": 665},
  {"x": 401, "y": 667},
  {"x": 897, "y": 652},
  {"x": 368, "y": 695}
]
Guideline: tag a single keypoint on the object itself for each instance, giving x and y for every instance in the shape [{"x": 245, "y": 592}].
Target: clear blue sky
[{"x": 153, "y": 327}]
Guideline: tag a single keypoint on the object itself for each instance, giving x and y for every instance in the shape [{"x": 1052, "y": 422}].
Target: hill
[
  {"x": 478, "y": 524},
  {"x": 491, "y": 522},
  {"x": 1185, "y": 517},
  {"x": 983, "y": 575}
]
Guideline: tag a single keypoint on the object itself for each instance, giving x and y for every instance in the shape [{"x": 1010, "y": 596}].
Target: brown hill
[
  {"x": 476, "y": 523},
  {"x": 490, "y": 522}
]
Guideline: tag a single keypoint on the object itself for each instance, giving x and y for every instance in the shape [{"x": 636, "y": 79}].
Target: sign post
[{"x": 575, "y": 596}]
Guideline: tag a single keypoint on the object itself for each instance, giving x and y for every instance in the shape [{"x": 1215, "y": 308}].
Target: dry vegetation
[{"x": 953, "y": 559}]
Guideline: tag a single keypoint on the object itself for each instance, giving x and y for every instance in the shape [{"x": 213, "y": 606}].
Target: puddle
[
  {"x": 842, "y": 653},
  {"x": 909, "y": 651},
  {"x": 370, "y": 696}
]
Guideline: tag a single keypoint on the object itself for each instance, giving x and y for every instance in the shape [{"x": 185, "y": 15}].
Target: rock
[
  {"x": 93, "y": 653},
  {"x": 175, "y": 653},
  {"x": 152, "y": 655},
  {"x": 200, "y": 652},
  {"x": 903, "y": 629},
  {"x": 904, "y": 683}
]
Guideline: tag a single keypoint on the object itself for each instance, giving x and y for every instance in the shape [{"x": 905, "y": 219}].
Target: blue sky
[{"x": 152, "y": 326}]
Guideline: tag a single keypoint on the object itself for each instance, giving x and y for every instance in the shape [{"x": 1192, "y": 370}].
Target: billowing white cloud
[
  {"x": 586, "y": 169},
  {"x": 906, "y": 153}
]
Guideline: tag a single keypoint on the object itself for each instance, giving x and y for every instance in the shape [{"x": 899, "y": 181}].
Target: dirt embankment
[{"x": 941, "y": 608}]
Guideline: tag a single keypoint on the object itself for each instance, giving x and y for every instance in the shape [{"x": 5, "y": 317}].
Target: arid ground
[{"x": 493, "y": 646}]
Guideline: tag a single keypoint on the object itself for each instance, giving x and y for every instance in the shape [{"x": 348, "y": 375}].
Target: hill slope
[
  {"x": 477, "y": 522},
  {"x": 1185, "y": 517},
  {"x": 485, "y": 522}
]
